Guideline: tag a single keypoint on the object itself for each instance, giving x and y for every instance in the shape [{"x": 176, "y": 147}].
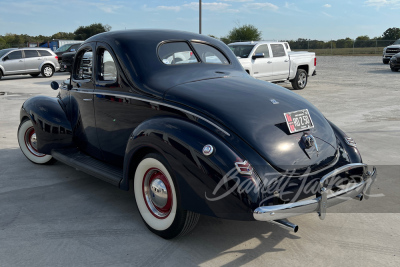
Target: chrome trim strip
[
  {"x": 162, "y": 104},
  {"x": 277, "y": 212}
]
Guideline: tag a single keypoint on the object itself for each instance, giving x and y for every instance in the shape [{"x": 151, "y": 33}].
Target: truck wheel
[
  {"x": 47, "y": 71},
  {"x": 385, "y": 61},
  {"x": 394, "y": 69},
  {"x": 158, "y": 201},
  {"x": 28, "y": 144},
  {"x": 300, "y": 81}
]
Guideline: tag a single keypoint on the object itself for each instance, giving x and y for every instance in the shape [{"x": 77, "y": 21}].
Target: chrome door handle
[
  {"x": 287, "y": 60},
  {"x": 39, "y": 59},
  {"x": 88, "y": 99},
  {"x": 21, "y": 60},
  {"x": 269, "y": 62}
]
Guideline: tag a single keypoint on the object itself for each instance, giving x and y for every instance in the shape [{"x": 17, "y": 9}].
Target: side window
[
  {"x": 107, "y": 70},
  {"x": 262, "y": 49},
  {"x": 31, "y": 53},
  {"x": 278, "y": 50},
  {"x": 209, "y": 54},
  {"x": 176, "y": 53},
  {"x": 74, "y": 47},
  {"x": 83, "y": 64},
  {"x": 15, "y": 55},
  {"x": 44, "y": 53}
]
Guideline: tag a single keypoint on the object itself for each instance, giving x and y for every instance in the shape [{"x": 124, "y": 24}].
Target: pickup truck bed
[{"x": 275, "y": 62}]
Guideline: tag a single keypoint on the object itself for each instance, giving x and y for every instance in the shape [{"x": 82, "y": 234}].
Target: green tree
[
  {"x": 63, "y": 36},
  {"x": 243, "y": 33},
  {"x": 391, "y": 34},
  {"x": 84, "y": 32}
]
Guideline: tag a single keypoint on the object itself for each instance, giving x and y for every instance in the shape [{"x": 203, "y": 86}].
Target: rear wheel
[
  {"x": 300, "y": 81},
  {"x": 47, "y": 71},
  {"x": 28, "y": 144},
  {"x": 157, "y": 199}
]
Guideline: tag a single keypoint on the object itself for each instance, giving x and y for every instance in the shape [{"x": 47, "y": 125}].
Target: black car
[
  {"x": 73, "y": 47},
  {"x": 175, "y": 115},
  {"x": 395, "y": 62}
]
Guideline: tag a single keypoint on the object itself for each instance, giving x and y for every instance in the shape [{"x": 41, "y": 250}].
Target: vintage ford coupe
[{"x": 175, "y": 116}]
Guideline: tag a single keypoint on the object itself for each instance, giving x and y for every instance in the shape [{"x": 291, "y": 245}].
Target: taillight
[
  {"x": 57, "y": 57},
  {"x": 315, "y": 61},
  {"x": 244, "y": 168}
]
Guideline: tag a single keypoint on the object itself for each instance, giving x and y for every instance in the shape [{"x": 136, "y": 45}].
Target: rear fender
[
  {"x": 52, "y": 127},
  {"x": 352, "y": 152},
  {"x": 198, "y": 176}
]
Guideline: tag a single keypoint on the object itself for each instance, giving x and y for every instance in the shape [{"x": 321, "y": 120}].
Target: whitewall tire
[
  {"x": 28, "y": 143},
  {"x": 157, "y": 199}
]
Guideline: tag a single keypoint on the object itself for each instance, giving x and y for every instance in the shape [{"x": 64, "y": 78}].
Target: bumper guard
[{"x": 320, "y": 203}]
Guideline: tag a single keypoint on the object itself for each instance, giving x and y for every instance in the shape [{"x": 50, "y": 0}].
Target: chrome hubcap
[
  {"x": 302, "y": 80},
  {"x": 157, "y": 193},
  {"x": 31, "y": 142},
  {"x": 47, "y": 71}
]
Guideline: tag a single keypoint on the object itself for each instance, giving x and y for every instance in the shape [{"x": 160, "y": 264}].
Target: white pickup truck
[{"x": 275, "y": 62}]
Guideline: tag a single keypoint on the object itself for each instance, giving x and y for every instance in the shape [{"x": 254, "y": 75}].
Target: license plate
[{"x": 299, "y": 120}]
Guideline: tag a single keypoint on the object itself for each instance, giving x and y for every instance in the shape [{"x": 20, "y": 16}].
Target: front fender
[
  {"x": 200, "y": 188},
  {"x": 52, "y": 127}
]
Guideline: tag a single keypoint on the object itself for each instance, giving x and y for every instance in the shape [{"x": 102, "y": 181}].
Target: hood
[
  {"x": 244, "y": 106},
  {"x": 393, "y": 46}
]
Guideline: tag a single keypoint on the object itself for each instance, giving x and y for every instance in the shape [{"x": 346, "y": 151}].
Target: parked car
[
  {"x": 390, "y": 51},
  {"x": 68, "y": 60},
  {"x": 193, "y": 138},
  {"x": 31, "y": 61},
  {"x": 395, "y": 62},
  {"x": 274, "y": 62},
  {"x": 57, "y": 43},
  {"x": 71, "y": 47}
]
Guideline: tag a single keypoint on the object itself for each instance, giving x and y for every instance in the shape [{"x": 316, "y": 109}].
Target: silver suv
[{"x": 33, "y": 61}]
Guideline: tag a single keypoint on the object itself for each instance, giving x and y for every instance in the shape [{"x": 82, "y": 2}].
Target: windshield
[
  {"x": 4, "y": 51},
  {"x": 63, "y": 48},
  {"x": 397, "y": 42},
  {"x": 241, "y": 51}
]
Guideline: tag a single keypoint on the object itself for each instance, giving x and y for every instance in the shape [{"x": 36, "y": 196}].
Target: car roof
[{"x": 136, "y": 50}]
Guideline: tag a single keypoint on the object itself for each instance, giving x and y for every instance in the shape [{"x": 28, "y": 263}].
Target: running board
[{"x": 82, "y": 162}]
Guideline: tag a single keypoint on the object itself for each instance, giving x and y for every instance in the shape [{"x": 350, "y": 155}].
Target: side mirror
[
  {"x": 72, "y": 50},
  {"x": 54, "y": 85},
  {"x": 259, "y": 55}
]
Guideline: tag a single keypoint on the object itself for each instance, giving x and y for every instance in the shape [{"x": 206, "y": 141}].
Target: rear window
[
  {"x": 44, "y": 53},
  {"x": 278, "y": 50},
  {"x": 209, "y": 54},
  {"x": 176, "y": 53},
  {"x": 31, "y": 53}
]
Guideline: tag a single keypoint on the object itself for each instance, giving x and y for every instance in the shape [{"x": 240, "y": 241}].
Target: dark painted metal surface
[{"x": 175, "y": 111}]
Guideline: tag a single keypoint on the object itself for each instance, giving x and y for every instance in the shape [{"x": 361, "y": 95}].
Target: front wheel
[
  {"x": 28, "y": 144},
  {"x": 300, "y": 80},
  {"x": 157, "y": 199},
  {"x": 47, "y": 71}
]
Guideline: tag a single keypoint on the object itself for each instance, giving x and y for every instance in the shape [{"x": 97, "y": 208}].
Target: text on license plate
[{"x": 298, "y": 120}]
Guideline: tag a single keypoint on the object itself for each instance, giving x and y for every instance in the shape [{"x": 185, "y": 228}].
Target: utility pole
[{"x": 199, "y": 16}]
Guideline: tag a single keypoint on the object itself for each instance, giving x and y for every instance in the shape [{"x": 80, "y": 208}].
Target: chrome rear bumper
[{"x": 320, "y": 203}]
